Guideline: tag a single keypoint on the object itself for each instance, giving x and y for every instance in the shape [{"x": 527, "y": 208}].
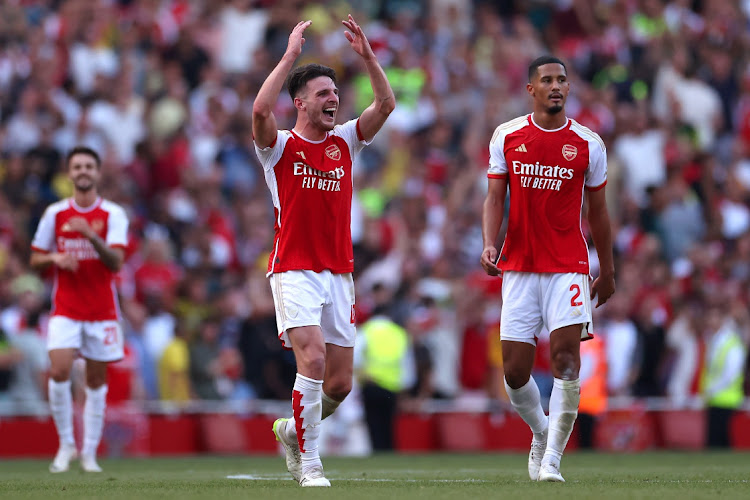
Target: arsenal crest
[
  {"x": 333, "y": 152},
  {"x": 569, "y": 152}
]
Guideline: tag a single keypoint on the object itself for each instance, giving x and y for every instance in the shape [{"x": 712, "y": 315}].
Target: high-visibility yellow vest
[
  {"x": 387, "y": 344},
  {"x": 731, "y": 396}
]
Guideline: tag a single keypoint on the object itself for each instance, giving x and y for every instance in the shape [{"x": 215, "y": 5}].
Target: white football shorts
[
  {"x": 553, "y": 300},
  {"x": 95, "y": 340},
  {"x": 305, "y": 298}
]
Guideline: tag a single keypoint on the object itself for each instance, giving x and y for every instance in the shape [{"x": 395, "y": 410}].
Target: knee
[
  {"x": 338, "y": 389},
  {"x": 565, "y": 364},
  {"x": 59, "y": 374},
  {"x": 516, "y": 378},
  {"x": 312, "y": 364},
  {"x": 95, "y": 381}
]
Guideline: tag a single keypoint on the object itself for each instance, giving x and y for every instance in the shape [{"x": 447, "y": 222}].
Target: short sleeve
[
  {"x": 498, "y": 166},
  {"x": 44, "y": 238},
  {"x": 270, "y": 155},
  {"x": 349, "y": 131},
  {"x": 596, "y": 173},
  {"x": 117, "y": 228}
]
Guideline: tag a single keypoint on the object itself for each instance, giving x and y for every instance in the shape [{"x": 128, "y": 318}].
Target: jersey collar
[
  {"x": 531, "y": 120},
  {"x": 84, "y": 210}
]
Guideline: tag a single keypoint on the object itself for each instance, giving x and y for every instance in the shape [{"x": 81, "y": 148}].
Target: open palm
[{"x": 357, "y": 38}]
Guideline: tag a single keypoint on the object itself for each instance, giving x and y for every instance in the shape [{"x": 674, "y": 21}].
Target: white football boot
[
  {"x": 88, "y": 464},
  {"x": 314, "y": 477},
  {"x": 291, "y": 449},
  {"x": 535, "y": 456},
  {"x": 550, "y": 473},
  {"x": 65, "y": 454}
]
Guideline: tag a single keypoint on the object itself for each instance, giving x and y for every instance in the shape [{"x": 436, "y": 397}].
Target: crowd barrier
[{"x": 140, "y": 430}]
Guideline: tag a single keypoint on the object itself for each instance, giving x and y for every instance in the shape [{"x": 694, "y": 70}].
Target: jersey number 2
[
  {"x": 110, "y": 335},
  {"x": 573, "y": 300}
]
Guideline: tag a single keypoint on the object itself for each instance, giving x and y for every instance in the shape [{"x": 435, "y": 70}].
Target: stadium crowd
[{"x": 163, "y": 89}]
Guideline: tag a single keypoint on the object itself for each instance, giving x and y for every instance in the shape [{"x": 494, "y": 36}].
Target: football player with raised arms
[
  {"x": 83, "y": 238},
  {"x": 309, "y": 172},
  {"x": 547, "y": 162}
]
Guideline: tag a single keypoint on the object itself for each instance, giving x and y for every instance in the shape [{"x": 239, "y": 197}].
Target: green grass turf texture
[{"x": 661, "y": 475}]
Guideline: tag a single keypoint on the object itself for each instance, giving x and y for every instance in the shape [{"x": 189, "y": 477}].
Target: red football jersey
[
  {"x": 547, "y": 171},
  {"x": 311, "y": 188},
  {"x": 89, "y": 293}
]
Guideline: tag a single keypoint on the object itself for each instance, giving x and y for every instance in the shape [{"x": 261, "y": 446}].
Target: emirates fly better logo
[
  {"x": 333, "y": 152},
  {"x": 569, "y": 152}
]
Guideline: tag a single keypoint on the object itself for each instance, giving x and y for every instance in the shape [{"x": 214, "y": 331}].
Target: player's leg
[
  {"x": 298, "y": 298},
  {"x": 64, "y": 338},
  {"x": 337, "y": 382},
  {"x": 338, "y": 324},
  {"x": 518, "y": 361},
  {"x": 61, "y": 406},
  {"x": 563, "y": 405},
  {"x": 520, "y": 323},
  {"x": 103, "y": 343},
  {"x": 338, "y": 332},
  {"x": 93, "y": 413},
  {"x": 567, "y": 314},
  {"x": 310, "y": 351}
]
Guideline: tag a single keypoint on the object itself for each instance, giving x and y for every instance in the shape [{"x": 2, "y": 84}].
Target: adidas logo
[{"x": 521, "y": 148}]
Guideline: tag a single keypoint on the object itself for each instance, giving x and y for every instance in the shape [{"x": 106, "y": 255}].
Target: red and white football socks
[{"x": 307, "y": 409}]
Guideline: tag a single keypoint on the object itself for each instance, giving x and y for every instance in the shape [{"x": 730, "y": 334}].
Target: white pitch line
[{"x": 274, "y": 477}]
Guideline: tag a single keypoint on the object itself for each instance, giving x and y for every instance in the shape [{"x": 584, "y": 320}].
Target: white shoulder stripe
[
  {"x": 587, "y": 133},
  {"x": 510, "y": 126}
]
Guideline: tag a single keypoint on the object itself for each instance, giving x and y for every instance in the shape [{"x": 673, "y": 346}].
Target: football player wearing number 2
[
  {"x": 546, "y": 162},
  {"x": 83, "y": 238}
]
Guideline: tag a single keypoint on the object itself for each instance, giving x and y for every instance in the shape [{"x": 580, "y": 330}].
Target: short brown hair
[
  {"x": 299, "y": 76},
  {"x": 83, "y": 150}
]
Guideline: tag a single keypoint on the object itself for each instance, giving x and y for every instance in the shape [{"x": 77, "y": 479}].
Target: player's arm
[
  {"x": 601, "y": 231},
  {"x": 372, "y": 118},
  {"x": 111, "y": 257},
  {"x": 492, "y": 219},
  {"x": 42, "y": 260},
  {"x": 264, "y": 122}
]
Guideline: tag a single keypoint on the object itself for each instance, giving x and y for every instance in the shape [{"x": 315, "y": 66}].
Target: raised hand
[
  {"x": 296, "y": 41},
  {"x": 357, "y": 38}
]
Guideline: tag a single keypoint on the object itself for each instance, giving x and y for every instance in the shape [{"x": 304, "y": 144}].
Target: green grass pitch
[{"x": 658, "y": 475}]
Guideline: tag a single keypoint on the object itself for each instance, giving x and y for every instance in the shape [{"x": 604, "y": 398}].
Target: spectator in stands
[
  {"x": 174, "y": 368},
  {"x": 723, "y": 374},
  {"x": 205, "y": 367},
  {"x": 29, "y": 378}
]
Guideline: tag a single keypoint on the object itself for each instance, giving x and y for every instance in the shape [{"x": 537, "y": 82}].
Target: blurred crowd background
[{"x": 163, "y": 89}]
